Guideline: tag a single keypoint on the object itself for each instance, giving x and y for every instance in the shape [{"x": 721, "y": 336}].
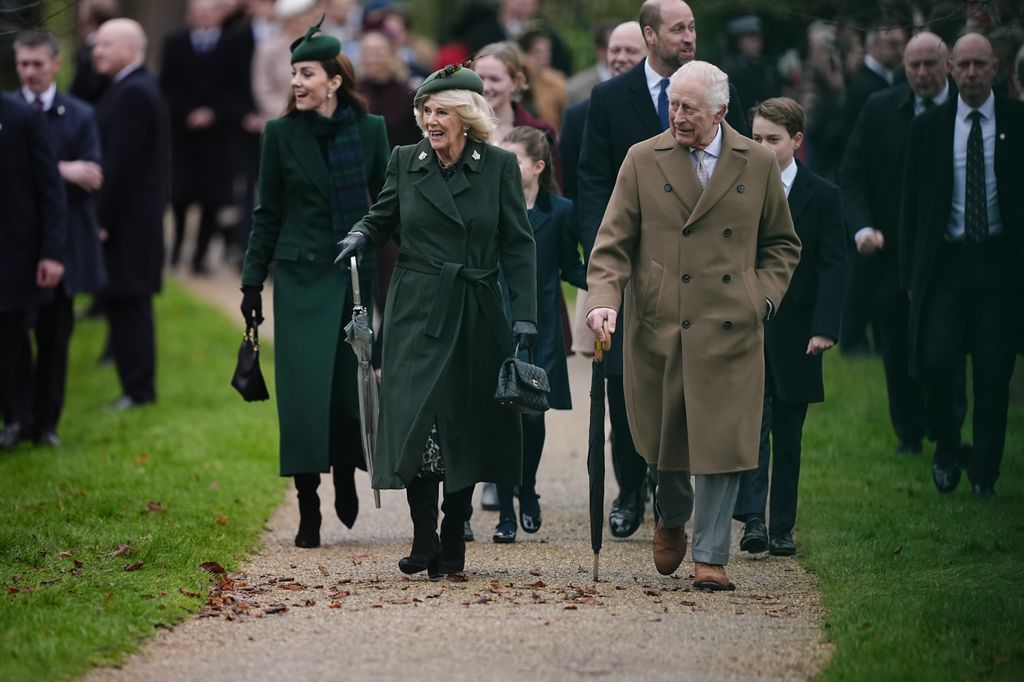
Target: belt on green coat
[{"x": 450, "y": 274}]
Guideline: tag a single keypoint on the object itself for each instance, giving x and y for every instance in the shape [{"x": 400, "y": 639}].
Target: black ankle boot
[
  {"x": 457, "y": 508},
  {"x": 346, "y": 501},
  {"x": 309, "y": 510},
  {"x": 425, "y": 554}
]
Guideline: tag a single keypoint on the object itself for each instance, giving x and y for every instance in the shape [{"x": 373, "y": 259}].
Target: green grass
[
  {"x": 206, "y": 457},
  {"x": 918, "y": 585}
]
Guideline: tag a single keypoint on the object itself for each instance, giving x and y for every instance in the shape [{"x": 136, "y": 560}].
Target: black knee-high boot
[
  {"x": 346, "y": 501},
  {"x": 309, "y": 510},
  {"x": 456, "y": 508},
  {"x": 425, "y": 554}
]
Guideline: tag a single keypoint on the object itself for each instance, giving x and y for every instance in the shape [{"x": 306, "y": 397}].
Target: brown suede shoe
[
  {"x": 669, "y": 547},
  {"x": 711, "y": 577}
]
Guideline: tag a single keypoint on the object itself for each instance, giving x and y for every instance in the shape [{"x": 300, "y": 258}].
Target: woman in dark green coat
[
  {"x": 456, "y": 204},
  {"x": 321, "y": 162}
]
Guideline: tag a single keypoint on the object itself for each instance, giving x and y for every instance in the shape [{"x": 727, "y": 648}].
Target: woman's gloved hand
[
  {"x": 524, "y": 334},
  {"x": 352, "y": 245},
  {"x": 252, "y": 305}
]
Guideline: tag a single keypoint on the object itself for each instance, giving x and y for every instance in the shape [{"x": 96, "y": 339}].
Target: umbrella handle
[
  {"x": 596, "y": 562},
  {"x": 600, "y": 348},
  {"x": 356, "y": 295},
  {"x": 376, "y": 499}
]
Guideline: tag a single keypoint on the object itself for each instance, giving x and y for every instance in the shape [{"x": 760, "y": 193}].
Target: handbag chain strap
[{"x": 252, "y": 335}]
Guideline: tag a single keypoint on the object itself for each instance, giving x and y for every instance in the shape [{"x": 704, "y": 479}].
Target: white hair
[
  {"x": 712, "y": 78},
  {"x": 475, "y": 114}
]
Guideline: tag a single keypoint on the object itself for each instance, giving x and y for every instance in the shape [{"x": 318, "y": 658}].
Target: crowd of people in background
[{"x": 91, "y": 176}]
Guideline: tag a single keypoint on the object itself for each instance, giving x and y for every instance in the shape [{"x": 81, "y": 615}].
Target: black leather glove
[
  {"x": 352, "y": 245},
  {"x": 524, "y": 334},
  {"x": 252, "y": 305}
]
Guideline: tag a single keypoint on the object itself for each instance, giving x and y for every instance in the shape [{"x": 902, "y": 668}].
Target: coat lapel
[
  {"x": 542, "y": 210},
  {"x": 430, "y": 183},
  {"x": 732, "y": 162},
  {"x": 640, "y": 99},
  {"x": 675, "y": 164},
  {"x": 800, "y": 192},
  {"x": 311, "y": 159}
]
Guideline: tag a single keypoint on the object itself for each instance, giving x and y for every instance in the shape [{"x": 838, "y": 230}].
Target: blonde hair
[{"x": 474, "y": 112}]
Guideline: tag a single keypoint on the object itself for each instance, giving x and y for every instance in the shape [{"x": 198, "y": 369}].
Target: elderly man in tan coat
[{"x": 698, "y": 237}]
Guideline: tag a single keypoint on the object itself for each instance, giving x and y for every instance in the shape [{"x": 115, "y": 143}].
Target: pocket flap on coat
[{"x": 286, "y": 252}]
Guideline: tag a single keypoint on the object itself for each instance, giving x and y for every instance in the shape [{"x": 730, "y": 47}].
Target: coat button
[
  {"x": 668, "y": 188},
  {"x": 727, "y": 233},
  {"x": 741, "y": 189},
  {"x": 686, "y": 324},
  {"x": 686, "y": 278},
  {"x": 726, "y": 278},
  {"x": 310, "y": 257},
  {"x": 727, "y": 325},
  {"x": 686, "y": 232}
]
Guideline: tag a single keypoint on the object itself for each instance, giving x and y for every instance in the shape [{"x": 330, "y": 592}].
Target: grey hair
[
  {"x": 714, "y": 80},
  {"x": 475, "y": 114}
]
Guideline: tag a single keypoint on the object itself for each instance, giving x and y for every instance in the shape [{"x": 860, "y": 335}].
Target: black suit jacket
[
  {"x": 862, "y": 84},
  {"x": 621, "y": 114},
  {"x": 32, "y": 197},
  {"x": 133, "y": 129},
  {"x": 928, "y": 195},
  {"x": 72, "y": 124},
  {"x": 201, "y": 168},
  {"x": 570, "y": 142},
  {"x": 813, "y": 303}
]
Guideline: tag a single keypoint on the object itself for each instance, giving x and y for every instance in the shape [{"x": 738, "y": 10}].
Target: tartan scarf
[{"x": 350, "y": 198}]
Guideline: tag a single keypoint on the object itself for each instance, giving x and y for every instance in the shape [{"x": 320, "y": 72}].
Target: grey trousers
[{"x": 710, "y": 499}]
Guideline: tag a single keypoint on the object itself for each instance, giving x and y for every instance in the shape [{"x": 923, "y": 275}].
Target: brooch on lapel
[
  {"x": 60, "y": 110},
  {"x": 1002, "y": 136},
  {"x": 422, "y": 156},
  {"x": 476, "y": 155}
]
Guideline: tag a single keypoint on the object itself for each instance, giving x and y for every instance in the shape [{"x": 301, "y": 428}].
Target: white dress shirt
[
  {"x": 876, "y": 66},
  {"x": 654, "y": 86},
  {"x": 46, "y": 95},
  {"x": 938, "y": 99},
  {"x": 961, "y": 129},
  {"x": 788, "y": 176}
]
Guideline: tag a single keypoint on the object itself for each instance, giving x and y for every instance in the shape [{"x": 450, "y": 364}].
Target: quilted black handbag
[
  {"x": 521, "y": 386},
  {"x": 248, "y": 379}
]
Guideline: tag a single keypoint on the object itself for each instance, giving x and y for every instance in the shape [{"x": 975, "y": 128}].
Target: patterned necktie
[
  {"x": 663, "y": 104},
  {"x": 698, "y": 156},
  {"x": 38, "y": 104},
  {"x": 975, "y": 196}
]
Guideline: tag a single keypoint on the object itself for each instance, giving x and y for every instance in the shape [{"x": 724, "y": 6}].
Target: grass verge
[
  {"x": 189, "y": 480},
  {"x": 919, "y": 586}
]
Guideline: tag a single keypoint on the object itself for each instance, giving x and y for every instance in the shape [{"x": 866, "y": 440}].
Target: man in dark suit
[
  {"x": 205, "y": 106},
  {"x": 72, "y": 124},
  {"x": 884, "y": 47},
  {"x": 961, "y": 250},
  {"x": 871, "y": 180},
  {"x": 625, "y": 110},
  {"x": 133, "y": 128},
  {"x": 32, "y": 240},
  {"x": 806, "y": 326}
]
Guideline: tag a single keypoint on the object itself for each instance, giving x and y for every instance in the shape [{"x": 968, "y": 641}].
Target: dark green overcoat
[
  {"x": 317, "y": 404},
  {"x": 445, "y": 331}
]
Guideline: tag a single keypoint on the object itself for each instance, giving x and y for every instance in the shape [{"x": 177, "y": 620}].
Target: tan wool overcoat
[{"x": 695, "y": 268}]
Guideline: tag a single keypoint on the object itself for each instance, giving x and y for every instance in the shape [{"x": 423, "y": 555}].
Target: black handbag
[
  {"x": 248, "y": 379},
  {"x": 521, "y": 386}
]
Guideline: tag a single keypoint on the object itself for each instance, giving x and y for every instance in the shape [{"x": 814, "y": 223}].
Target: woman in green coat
[
  {"x": 322, "y": 160},
  {"x": 457, "y": 206}
]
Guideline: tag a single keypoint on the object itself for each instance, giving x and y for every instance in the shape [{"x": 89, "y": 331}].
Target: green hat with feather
[{"x": 315, "y": 48}]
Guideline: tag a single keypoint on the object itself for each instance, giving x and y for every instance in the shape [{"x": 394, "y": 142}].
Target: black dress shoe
[
  {"x": 946, "y": 478},
  {"x": 627, "y": 514},
  {"x": 782, "y": 544},
  {"x": 983, "y": 491},
  {"x": 11, "y": 436},
  {"x": 49, "y": 438},
  {"x": 529, "y": 512},
  {"x": 755, "y": 536},
  {"x": 505, "y": 532}
]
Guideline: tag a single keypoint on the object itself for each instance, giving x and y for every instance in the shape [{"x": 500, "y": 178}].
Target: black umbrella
[
  {"x": 595, "y": 447},
  {"x": 360, "y": 336}
]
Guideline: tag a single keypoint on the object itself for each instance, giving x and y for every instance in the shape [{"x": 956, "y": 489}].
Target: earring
[
  {"x": 465, "y": 131},
  {"x": 330, "y": 94}
]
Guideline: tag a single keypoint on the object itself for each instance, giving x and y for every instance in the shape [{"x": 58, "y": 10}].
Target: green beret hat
[
  {"x": 451, "y": 77},
  {"x": 315, "y": 48}
]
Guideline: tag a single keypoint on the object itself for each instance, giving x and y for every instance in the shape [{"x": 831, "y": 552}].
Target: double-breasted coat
[
  {"x": 696, "y": 267},
  {"x": 292, "y": 229},
  {"x": 445, "y": 331}
]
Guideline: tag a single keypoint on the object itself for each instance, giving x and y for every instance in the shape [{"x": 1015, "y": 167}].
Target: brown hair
[
  {"x": 781, "y": 111},
  {"x": 537, "y": 146},
  {"x": 512, "y": 57},
  {"x": 346, "y": 94}
]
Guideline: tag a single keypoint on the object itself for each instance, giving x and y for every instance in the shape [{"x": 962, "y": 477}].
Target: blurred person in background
[
  {"x": 87, "y": 84},
  {"x": 72, "y": 125},
  {"x": 578, "y": 87},
  {"x": 754, "y": 76},
  {"x": 132, "y": 118},
  {"x": 546, "y": 95},
  {"x": 271, "y": 75},
  {"x": 415, "y": 52},
  {"x": 205, "y": 110}
]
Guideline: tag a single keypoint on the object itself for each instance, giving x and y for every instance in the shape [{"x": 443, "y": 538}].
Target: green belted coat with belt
[{"x": 445, "y": 331}]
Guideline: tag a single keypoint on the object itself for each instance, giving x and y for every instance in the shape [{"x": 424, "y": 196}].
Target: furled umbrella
[
  {"x": 595, "y": 447},
  {"x": 360, "y": 336}
]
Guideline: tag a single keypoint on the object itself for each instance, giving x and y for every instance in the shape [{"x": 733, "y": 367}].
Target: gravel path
[{"x": 526, "y": 611}]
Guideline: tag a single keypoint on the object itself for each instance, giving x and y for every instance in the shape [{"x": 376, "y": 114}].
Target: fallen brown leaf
[
  {"x": 323, "y": 569},
  {"x": 539, "y": 584},
  {"x": 652, "y": 592},
  {"x": 275, "y": 608},
  {"x": 293, "y": 587},
  {"x": 78, "y": 563},
  {"x": 66, "y": 554},
  {"x": 141, "y": 459},
  {"x": 222, "y": 520},
  {"x": 134, "y": 566},
  {"x": 187, "y": 593},
  {"x": 122, "y": 550},
  {"x": 154, "y": 507},
  {"x": 535, "y": 572},
  {"x": 212, "y": 567},
  {"x": 51, "y": 581}
]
